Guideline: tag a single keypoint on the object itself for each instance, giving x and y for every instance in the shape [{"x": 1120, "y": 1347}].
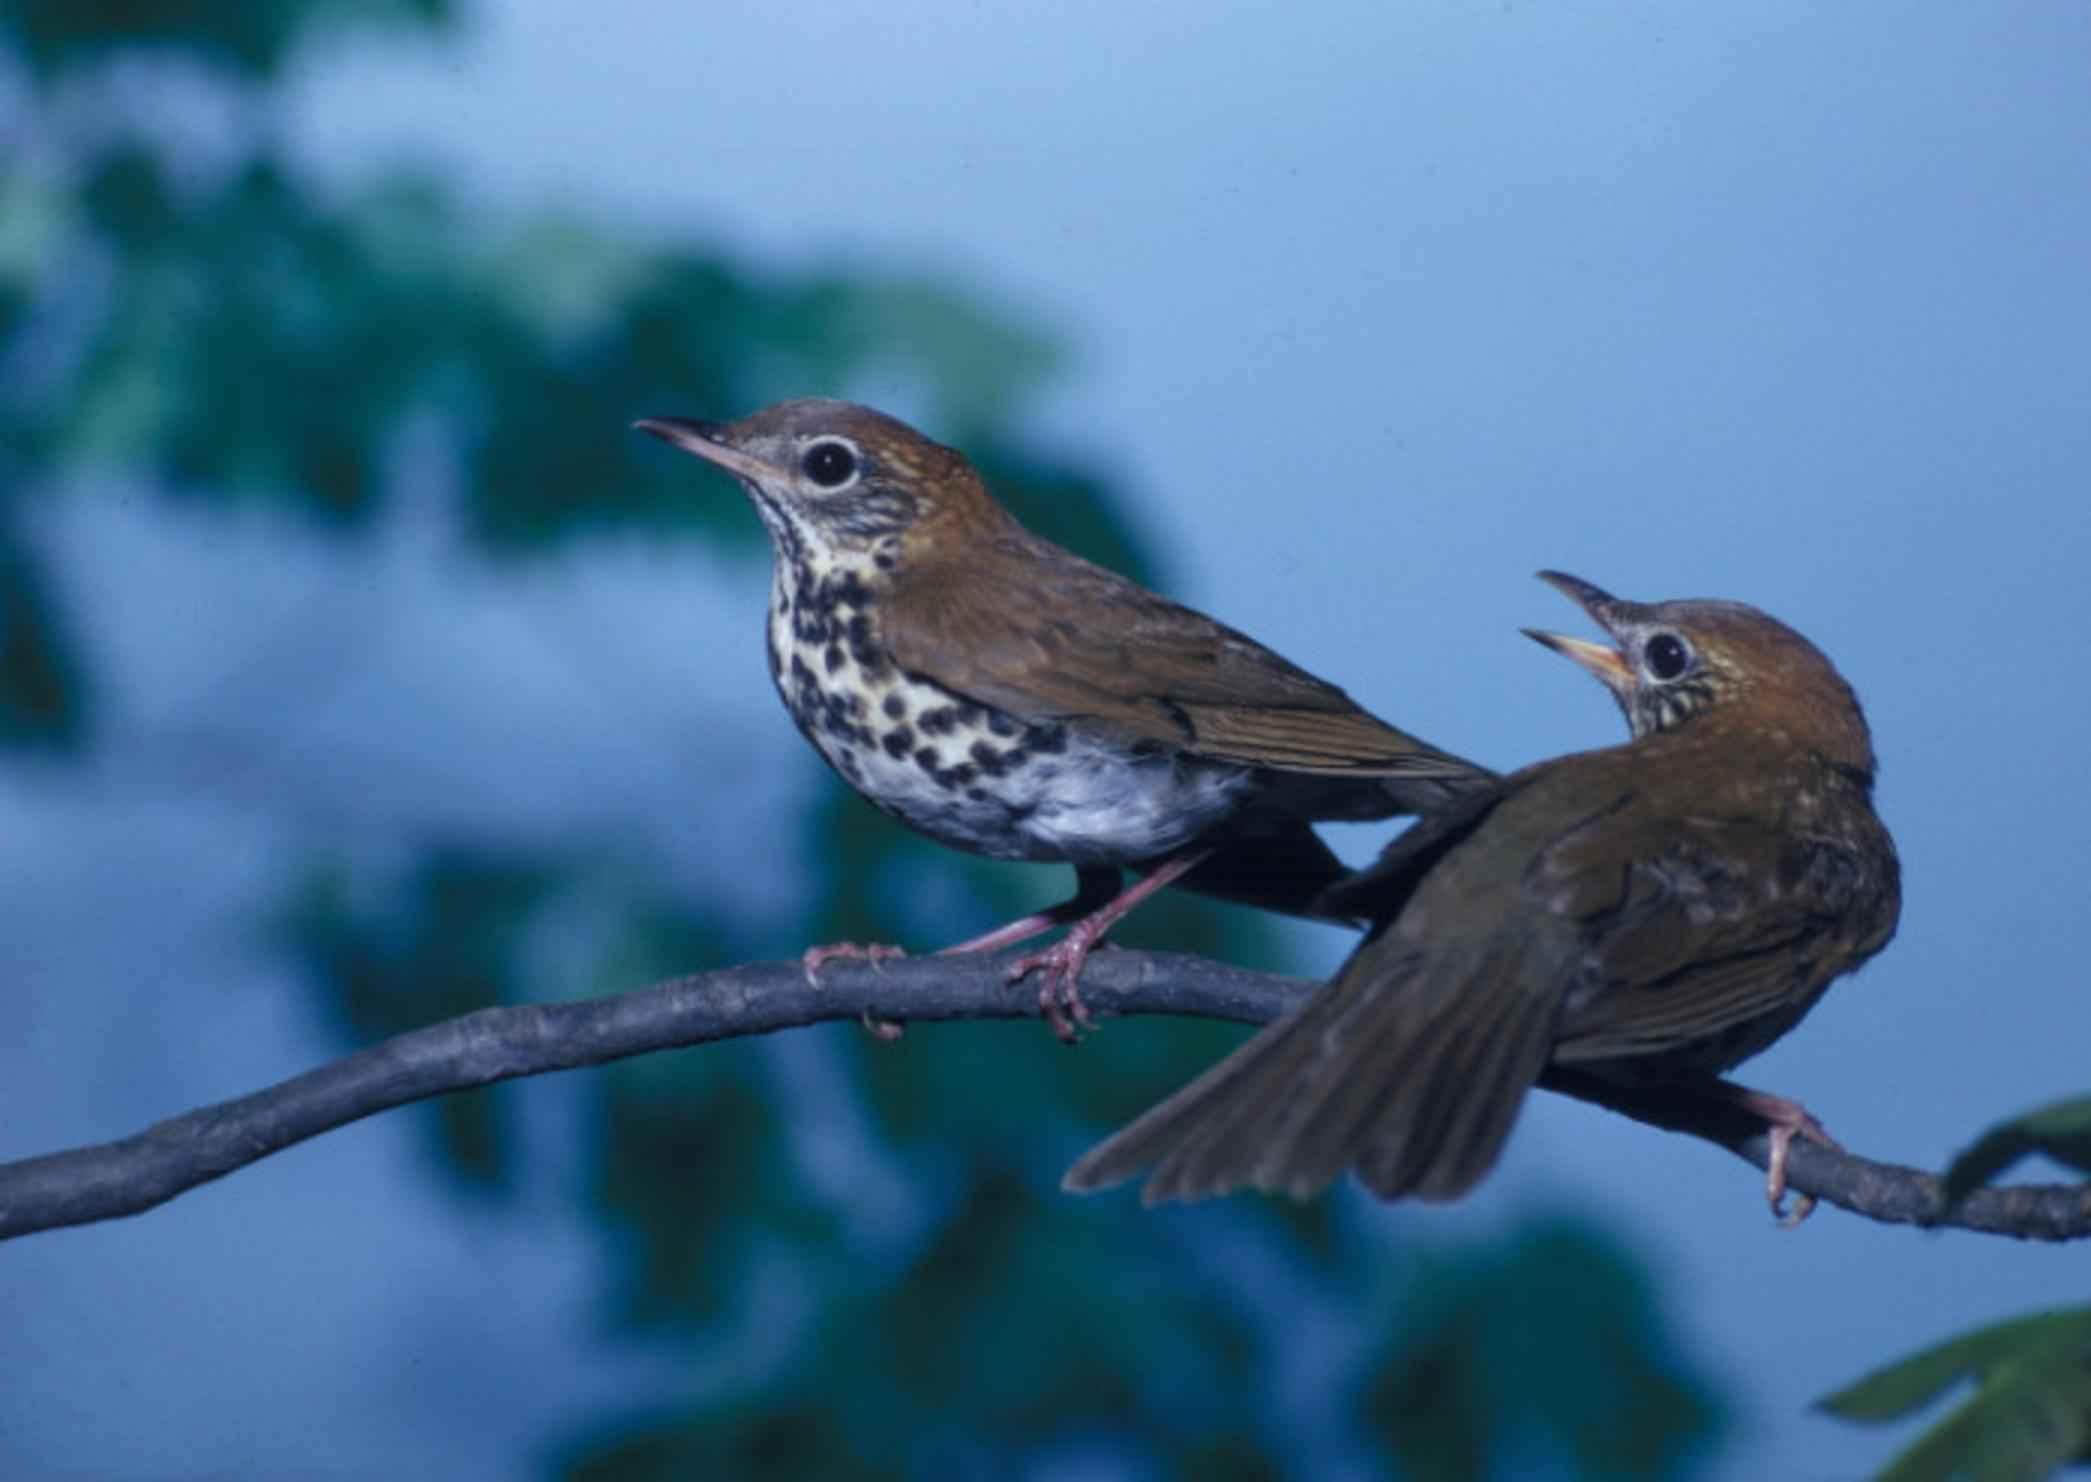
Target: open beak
[
  {"x": 702, "y": 439},
  {"x": 1602, "y": 660}
]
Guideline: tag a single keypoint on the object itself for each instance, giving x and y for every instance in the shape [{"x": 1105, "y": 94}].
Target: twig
[{"x": 135, "y": 1173}]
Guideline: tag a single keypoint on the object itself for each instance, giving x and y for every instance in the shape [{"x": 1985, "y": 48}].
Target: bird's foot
[
  {"x": 884, "y": 1030},
  {"x": 1059, "y": 997},
  {"x": 874, "y": 953},
  {"x": 1787, "y": 1120},
  {"x": 1059, "y": 1000}
]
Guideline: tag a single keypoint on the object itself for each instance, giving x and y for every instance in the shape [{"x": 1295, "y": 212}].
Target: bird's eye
[
  {"x": 1666, "y": 656},
  {"x": 829, "y": 464}
]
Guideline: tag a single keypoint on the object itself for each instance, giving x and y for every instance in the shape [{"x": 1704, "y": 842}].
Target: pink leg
[
  {"x": 1094, "y": 887},
  {"x": 1058, "y": 998},
  {"x": 1787, "y": 1120}
]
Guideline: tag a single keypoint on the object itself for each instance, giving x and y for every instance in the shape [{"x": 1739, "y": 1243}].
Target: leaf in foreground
[
  {"x": 2061, "y": 1130},
  {"x": 2030, "y": 1414}
]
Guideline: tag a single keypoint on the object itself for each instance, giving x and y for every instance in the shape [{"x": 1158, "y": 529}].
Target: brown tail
[{"x": 1410, "y": 1070}]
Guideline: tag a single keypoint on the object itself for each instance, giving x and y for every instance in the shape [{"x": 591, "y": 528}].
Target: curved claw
[
  {"x": 885, "y": 1031},
  {"x": 1059, "y": 999},
  {"x": 1783, "y": 1132},
  {"x": 874, "y": 953}
]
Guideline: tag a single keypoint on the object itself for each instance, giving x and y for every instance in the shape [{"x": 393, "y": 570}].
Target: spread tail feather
[{"x": 1409, "y": 1070}]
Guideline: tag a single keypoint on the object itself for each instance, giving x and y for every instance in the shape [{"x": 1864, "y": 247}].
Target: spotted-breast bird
[
  {"x": 1651, "y": 914},
  {"x": 1007, "y": 697}
]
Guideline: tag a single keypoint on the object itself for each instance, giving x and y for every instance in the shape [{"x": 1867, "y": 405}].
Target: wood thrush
[
  {"x": 1007, "y": 697},
  {"x": 1652, "y": 913}
]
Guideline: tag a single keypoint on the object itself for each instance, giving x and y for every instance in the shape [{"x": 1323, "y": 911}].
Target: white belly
[{"x": 974, "y": 778}]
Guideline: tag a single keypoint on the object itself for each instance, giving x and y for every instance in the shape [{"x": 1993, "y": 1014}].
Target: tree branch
[{"x": 135, "y": 1173}]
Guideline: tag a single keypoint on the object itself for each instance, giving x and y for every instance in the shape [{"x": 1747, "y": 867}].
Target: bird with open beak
[{"x": 1650, "y": 914}]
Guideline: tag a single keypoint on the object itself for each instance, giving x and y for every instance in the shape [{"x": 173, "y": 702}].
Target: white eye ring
[
  {"x": 829, "y": 463},
  {"x": 1665, "y": 656}
]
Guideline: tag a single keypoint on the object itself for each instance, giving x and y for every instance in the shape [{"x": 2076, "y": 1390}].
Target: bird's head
[
  {"x": 832, "y": 475},
  {"x": 1674, "y": 665}
]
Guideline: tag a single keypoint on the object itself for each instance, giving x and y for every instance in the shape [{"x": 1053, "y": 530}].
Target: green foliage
[
  {"x": 696, "y": 1173},
  {"x": 43, "y": 693},
  {"x": 247, "y": 36},
  {"x": 2061, "y": 1130},
  {"x": 1551, "y": 1345},
  {"x": 448, "y": 943},
  {"x": 921, "y": 1302},
  {"x": 2030, "y": 1414}
]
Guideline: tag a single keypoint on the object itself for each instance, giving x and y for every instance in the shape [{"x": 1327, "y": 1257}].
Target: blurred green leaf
[
  {"x": 999, "y": 1341},
  {"x": 448, "y": 941},
  {"x": 1006, "y": 1262},
  {"x": 695, "y": 1172},
  {"x": 802, "y": 1442},
  {"x": 899, "y": 1288},
  {"x": 43, "y": 699},
  {"x": 125, "y": 195},
  {"x": 1552, "y": 1343},
  {"x": 2061, "y": 1130},
  {"x": 248, "y": 36},
  {"x": 2030, "y": 1414}
]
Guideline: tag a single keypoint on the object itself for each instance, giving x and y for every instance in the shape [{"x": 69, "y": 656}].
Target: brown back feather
[{"x": 1049, "y": 636}]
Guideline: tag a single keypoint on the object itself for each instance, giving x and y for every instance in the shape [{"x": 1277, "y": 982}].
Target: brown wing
[
  {"x": 1098, "y": 651},
  {"x": 1711, "y": 938}
]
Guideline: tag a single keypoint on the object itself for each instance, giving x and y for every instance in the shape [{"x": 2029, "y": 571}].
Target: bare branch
[{"x": 135, "y": 1173}]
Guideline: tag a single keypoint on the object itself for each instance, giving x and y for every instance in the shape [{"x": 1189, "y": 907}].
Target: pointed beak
[
  {"x": 1600, "y": 659},
  {"x": 702, "y": 439},
  {"x": 1605, "y": 662}
]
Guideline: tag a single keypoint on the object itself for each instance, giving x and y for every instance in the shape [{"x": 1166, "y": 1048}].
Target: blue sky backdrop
[{"x": 1378, "y": 309}]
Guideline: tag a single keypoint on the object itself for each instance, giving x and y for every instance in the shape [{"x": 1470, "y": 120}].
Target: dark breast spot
[
  {"x": 896, "y": 706},
  {"x": 897, "y": 742},
  {"x": 986, "y": 758},
  {"x": 864, "y": 648},
  {"x": 938, "y": 720}
]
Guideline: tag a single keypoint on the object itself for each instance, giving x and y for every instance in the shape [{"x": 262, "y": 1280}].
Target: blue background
[{"x": 1375, "y": 310}]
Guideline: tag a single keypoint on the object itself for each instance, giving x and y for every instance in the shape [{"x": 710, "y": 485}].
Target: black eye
[
  {"x": 831, "y": 465},
  {"x": 1665, "y": 656}
]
